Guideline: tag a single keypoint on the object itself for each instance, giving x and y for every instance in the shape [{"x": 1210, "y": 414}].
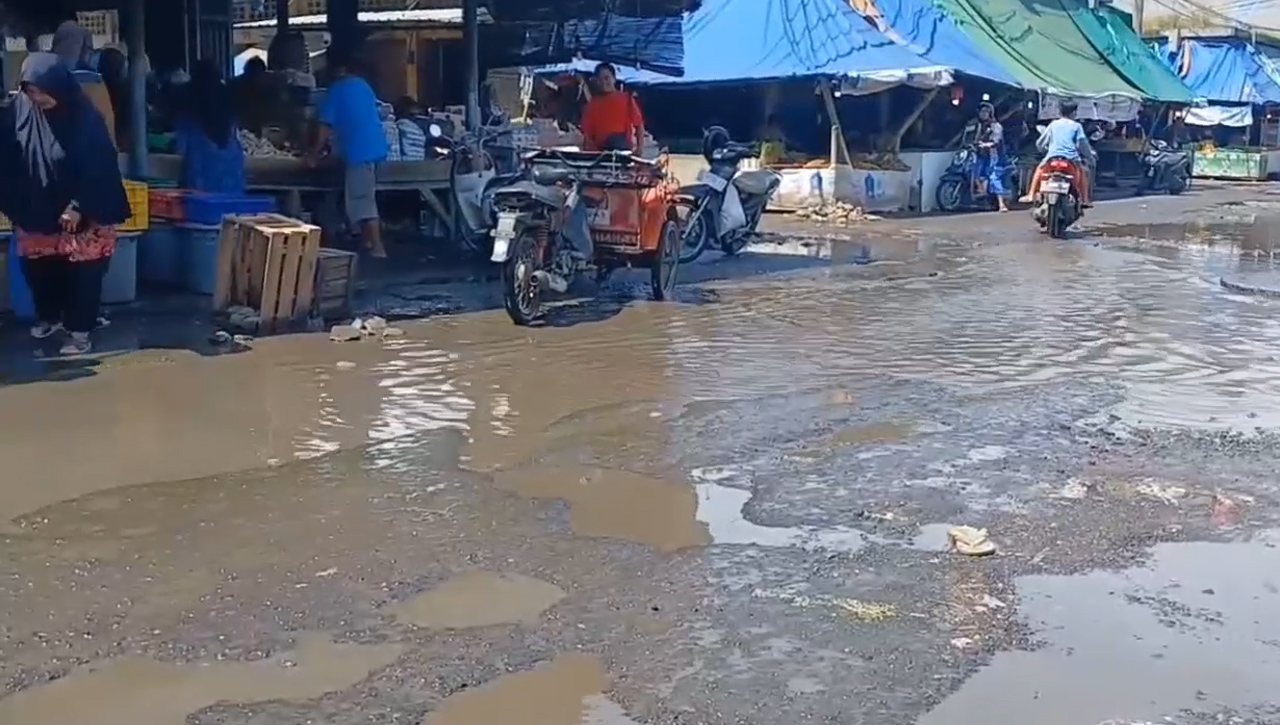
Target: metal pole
[
  {"x": 471, "y": 37},
  {"x": 1139, "y": 8},
  {"x": 136, "y": 38},
  {"x": 282, "y": 16}
]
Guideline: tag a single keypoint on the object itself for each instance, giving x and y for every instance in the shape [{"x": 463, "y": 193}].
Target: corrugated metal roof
[{"x": 440, "y": 16}]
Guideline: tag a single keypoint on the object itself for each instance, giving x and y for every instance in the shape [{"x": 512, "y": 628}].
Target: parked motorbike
[
  {"x": 725, "y": 204},
  {"x": 474, "y": 174},
  {"x": 955, "y": 189},
  {"x": 611, "y": 202},
  {"x": 1165, "y": 169},
  {"x": 1057, "y": 203}
]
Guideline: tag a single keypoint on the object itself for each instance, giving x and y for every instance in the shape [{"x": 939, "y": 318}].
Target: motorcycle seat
[
  {"x": 755, "y": 183},
  {"x": 549, "y": 175},
  {"x": 549, "y": 195}
]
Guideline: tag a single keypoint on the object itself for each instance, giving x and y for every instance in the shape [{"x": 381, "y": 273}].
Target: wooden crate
[
  {"x": 335, "y": 283},
  {"x": 267, "y": 262}
]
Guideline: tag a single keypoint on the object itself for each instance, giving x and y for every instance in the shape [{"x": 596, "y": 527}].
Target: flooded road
[{"x": 732, "y": 509}]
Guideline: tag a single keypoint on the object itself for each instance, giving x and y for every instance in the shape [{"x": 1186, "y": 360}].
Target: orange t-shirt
[{"x": 608, "y": 115}]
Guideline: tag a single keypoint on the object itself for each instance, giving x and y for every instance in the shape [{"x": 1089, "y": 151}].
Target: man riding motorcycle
[{"x": 1064, "y": 138}]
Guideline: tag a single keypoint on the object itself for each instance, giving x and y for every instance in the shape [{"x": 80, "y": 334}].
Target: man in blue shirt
[
  {"x": 351, "y": 124},
  {"x": 1064, "y": 138}
]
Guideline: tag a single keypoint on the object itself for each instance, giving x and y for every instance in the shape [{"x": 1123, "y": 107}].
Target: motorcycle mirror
[{"x": 435, "y": 130}]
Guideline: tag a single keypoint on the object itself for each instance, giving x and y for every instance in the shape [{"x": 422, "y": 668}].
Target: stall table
[{"x": 291, "y": 178}]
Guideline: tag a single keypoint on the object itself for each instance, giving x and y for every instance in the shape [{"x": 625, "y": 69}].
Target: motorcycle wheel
[
  {"x": 1056, "y": 226},
  {"x": 1177, "y": 185},
  {"x": 693, "y": 230},
  {"x": 950, "y": 195},
  {"x": 520, "y": 294},
  {"x": 666, "y": 262}
]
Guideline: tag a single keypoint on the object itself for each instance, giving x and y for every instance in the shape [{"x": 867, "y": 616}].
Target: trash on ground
[
  {"x": 1163, "y": 493},
  {"x": 1074, "y": 491},
  {"x": 865, "y": 611},
  {"x": 1225, "y": 512},
  {"x": 346, "y": 365},
  {"x": 345, "y": 333},
  {"x": 962, "y": 643},
  {"x": 990, "y": 602},
  {"x": 970, "y": 541}
]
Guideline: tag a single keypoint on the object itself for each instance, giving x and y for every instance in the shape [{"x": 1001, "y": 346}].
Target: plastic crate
[
  {"x": 139, "y": 205},
  {"x": 120, "y": 285},
  {"x": 198, "y": 245},
  {"x": 161, "y": 260},
  {"x": 168, "y": 204},
  {"x": 203, "y": 208}
]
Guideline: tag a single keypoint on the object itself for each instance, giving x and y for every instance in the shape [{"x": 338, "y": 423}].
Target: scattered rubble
[
  {"x": 359, "y": 329},
  {"x": 837, "y": 212}
]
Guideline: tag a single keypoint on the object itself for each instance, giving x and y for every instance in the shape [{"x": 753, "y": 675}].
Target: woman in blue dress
[
  {"x": 992, "y": 168},
  {"x": 212, "y": 158}
]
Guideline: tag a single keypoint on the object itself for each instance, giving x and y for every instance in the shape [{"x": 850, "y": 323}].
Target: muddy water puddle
[
  {"x": 565, "y": 691},
  {"x": 141, "y": 691},
  {"x": 480, "y": 599},
  {"x": 1193, "y": 631}
]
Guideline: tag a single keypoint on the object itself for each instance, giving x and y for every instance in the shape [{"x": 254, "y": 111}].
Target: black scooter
[{"x": 1165, "y": 169}]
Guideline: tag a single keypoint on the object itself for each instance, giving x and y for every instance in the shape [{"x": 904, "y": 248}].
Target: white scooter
[
  {"x": 473, "y": 176},
  {"x": 726, "y": 203}
]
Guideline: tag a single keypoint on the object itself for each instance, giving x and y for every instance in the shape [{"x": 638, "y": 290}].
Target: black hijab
[
  {"x": 209, "y": 102},
  {"x": 52, "y": 158}
]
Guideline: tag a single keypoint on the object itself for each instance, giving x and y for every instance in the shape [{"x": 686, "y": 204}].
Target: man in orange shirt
[{"x": 611, "y": 120}]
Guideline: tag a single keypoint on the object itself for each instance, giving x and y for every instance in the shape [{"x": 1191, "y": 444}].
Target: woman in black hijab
[
  {"x": 212, "y": 158},
  {"x": 64, "y": 193}
]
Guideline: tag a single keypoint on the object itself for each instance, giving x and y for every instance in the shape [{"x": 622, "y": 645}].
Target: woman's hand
[{"x": 70, "y": 219}]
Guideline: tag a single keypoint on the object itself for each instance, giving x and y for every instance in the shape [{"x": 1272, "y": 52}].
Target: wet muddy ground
[{"x": 732, "y": 509}]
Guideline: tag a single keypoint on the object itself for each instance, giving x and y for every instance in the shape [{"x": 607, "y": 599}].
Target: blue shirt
[
  {"x": 1062, "y": 138},
  {"x": 351, "y": 109}
]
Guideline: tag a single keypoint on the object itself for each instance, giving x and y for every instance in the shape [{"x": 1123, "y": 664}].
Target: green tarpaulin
[
  {"x": 1111, "y": 33},
  {"x": 1042, "y": 44}
]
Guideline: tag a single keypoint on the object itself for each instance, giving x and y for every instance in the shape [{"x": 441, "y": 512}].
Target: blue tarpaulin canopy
[
  {"x": 746, "y": 40},
  {"x": 927, "y": 30},
  {"x": 1224, "y": 70}
]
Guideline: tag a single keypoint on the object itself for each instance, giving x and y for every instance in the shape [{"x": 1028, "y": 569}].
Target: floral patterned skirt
[{"x": 86, "y": 246}]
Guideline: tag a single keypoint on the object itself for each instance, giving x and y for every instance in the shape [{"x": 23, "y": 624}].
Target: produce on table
[{"x": 259, "y": 147}]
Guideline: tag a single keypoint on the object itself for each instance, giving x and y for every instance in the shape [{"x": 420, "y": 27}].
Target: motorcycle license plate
[
  {"x": 710, "y": 179},
  {"x": 503, "y": 233},
  {"x": 1057, "y": 186}
]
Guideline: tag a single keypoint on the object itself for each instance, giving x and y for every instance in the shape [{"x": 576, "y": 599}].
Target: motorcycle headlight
[{"x": 961, "y": 157}]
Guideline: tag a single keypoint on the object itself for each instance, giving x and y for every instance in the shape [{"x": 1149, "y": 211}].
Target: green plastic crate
[{"x": 1230, "y": 164}]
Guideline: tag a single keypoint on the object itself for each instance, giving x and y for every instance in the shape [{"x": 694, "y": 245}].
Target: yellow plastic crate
[
  {"x": 139, "y": 195},
  {"x": 140, "y": 203}
]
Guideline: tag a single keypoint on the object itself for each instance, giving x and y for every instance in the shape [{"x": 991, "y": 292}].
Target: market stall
[
  {"x": 732, "y": 45},
  {"x": 1235, "y": 130}
]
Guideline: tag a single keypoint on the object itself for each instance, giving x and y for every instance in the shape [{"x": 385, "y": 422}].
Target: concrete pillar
[
  {"x": 134, "y": 22},
  {"x": 342, "y": 18},
  {"x": 471, "y": 40}
]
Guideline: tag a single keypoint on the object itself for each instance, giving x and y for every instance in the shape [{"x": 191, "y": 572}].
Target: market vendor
[
  {"x": 992, "y": 166},
  {"x": 350, "y": 122},
  {"x": 611, "y": 120},
  {"x": 212, "y": 158}
]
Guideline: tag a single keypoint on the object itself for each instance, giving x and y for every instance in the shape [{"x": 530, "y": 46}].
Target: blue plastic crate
[
  {"x": 160, "y": 255},
  {"x": 203, "y": 208},
  {"x": 199, "y": 244}
]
